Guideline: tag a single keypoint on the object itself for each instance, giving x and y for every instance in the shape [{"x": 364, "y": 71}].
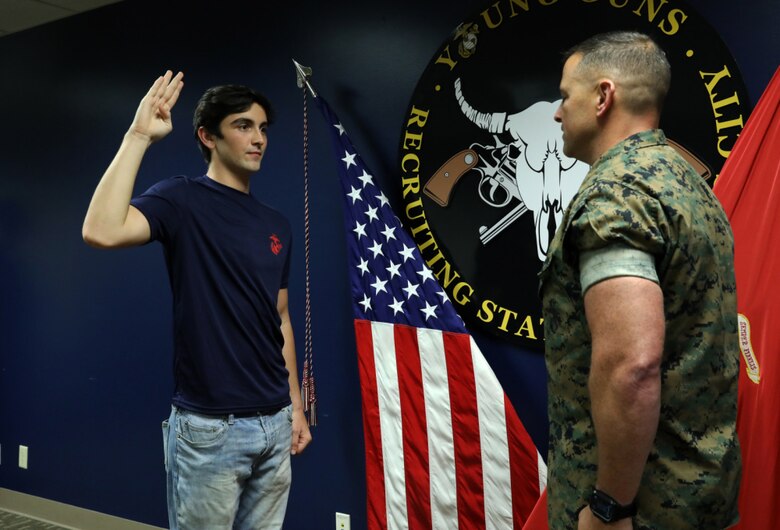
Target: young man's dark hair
[{"x": 220, "y": 101}]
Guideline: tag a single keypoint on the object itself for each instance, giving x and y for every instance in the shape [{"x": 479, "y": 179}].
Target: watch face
[
  {"x": 606, "y": 511},
  {"x": 601, "y": 507}
]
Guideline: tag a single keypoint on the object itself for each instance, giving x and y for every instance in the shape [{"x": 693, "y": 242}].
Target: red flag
[
  {"x": 444, "y": 447},
  {"x": 537, "y": 520},
  {"x": 749, "y": 188}
]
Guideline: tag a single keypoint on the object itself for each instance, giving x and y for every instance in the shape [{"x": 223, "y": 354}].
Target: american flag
[{"x": 444, "y": 446}]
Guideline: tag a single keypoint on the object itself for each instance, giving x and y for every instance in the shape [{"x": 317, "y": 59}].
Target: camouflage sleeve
[{"x": 615, "y": 214}]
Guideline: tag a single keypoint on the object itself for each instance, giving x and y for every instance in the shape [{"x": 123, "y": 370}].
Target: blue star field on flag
[{"x": 390, "y": 281}]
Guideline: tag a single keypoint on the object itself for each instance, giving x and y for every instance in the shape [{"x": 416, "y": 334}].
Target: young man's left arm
[{"x": 301, "y": 436}]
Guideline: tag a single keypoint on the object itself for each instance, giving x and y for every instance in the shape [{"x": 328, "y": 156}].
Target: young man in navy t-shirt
[{"x": 237, "y": 413}]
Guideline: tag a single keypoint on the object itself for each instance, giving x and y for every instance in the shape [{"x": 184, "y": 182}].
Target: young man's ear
[{"x": 206, "y": 138}]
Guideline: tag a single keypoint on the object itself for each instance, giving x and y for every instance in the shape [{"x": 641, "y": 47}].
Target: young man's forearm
[{"x": 107, "y": 214}]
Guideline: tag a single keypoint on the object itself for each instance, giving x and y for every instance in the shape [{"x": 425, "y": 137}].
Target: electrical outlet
[
  {"x": 23, "y": 454},
  {"x": 342, "y": 521}
]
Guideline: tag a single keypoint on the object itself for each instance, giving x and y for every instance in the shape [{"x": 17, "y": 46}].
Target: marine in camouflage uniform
[{"x": 643, "y": 195}]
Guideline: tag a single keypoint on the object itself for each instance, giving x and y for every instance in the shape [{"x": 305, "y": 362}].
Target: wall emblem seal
[{"x": 483, "y": 179}]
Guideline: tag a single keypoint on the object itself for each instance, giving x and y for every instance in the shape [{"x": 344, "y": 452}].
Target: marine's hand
[
  {"x": 153, "y": 117},
  {"x": 588, "y": 521},
  {"x": 301, "y": 436}
]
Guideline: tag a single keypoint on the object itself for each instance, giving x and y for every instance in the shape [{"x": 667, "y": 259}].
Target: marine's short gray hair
[{"x": 633, "y": 61}]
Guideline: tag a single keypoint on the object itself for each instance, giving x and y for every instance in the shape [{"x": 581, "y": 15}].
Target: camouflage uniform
[{"x": 642, "y": 194}]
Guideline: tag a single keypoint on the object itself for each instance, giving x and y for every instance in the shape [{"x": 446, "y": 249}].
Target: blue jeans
[{"x": 227, "y": 473}]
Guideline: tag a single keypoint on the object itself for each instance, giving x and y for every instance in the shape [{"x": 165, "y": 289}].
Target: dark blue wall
[{"x": 85, "y": 334}]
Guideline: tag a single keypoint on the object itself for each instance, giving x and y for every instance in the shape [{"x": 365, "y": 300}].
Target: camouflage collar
[{"x": 648, "y": 138}]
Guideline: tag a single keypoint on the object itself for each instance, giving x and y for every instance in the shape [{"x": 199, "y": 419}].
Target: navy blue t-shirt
[{"x": 227, "y": 256}]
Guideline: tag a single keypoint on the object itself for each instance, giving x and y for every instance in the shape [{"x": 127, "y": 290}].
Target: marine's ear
[{"x": 606, "y": 96}]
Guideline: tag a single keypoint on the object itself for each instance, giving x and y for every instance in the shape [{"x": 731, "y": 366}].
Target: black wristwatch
[{"x": 607, "y": 509}]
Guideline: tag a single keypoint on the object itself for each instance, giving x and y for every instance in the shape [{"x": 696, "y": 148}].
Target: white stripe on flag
[
  {"x": 542, "y": 471},
  {"x": 441, "y": 447},
  {"x": 497, "y": 480},
  {"x": 390, "y": 421}
]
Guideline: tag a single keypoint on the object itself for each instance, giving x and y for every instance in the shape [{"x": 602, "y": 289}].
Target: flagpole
[{"x": 308, "y": 394}]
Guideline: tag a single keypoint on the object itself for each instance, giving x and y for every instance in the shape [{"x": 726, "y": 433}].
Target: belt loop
[{"x": 231, "y": 419}]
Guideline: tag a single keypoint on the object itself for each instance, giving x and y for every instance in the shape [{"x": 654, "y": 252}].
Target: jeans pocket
[
  {"x": 200, "y": 431},
  {"x": 165, "y": 431}
]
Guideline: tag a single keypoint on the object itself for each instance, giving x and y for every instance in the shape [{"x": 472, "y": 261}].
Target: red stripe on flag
[
  {"x": 523, "y": 459},
  {"x": 410, "y": 383},
  {"x": 465, "y": 431},
  {"x": 375, "y": 478}
]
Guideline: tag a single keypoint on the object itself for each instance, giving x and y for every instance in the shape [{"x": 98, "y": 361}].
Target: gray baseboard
[{"x": 64, "y": 514}]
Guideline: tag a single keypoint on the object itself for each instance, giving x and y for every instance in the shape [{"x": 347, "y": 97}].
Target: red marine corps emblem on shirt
[{"x": 276, "y": 245}]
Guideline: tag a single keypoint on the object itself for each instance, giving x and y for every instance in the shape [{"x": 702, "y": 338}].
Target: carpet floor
[{"x": 14, "y": 521}]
